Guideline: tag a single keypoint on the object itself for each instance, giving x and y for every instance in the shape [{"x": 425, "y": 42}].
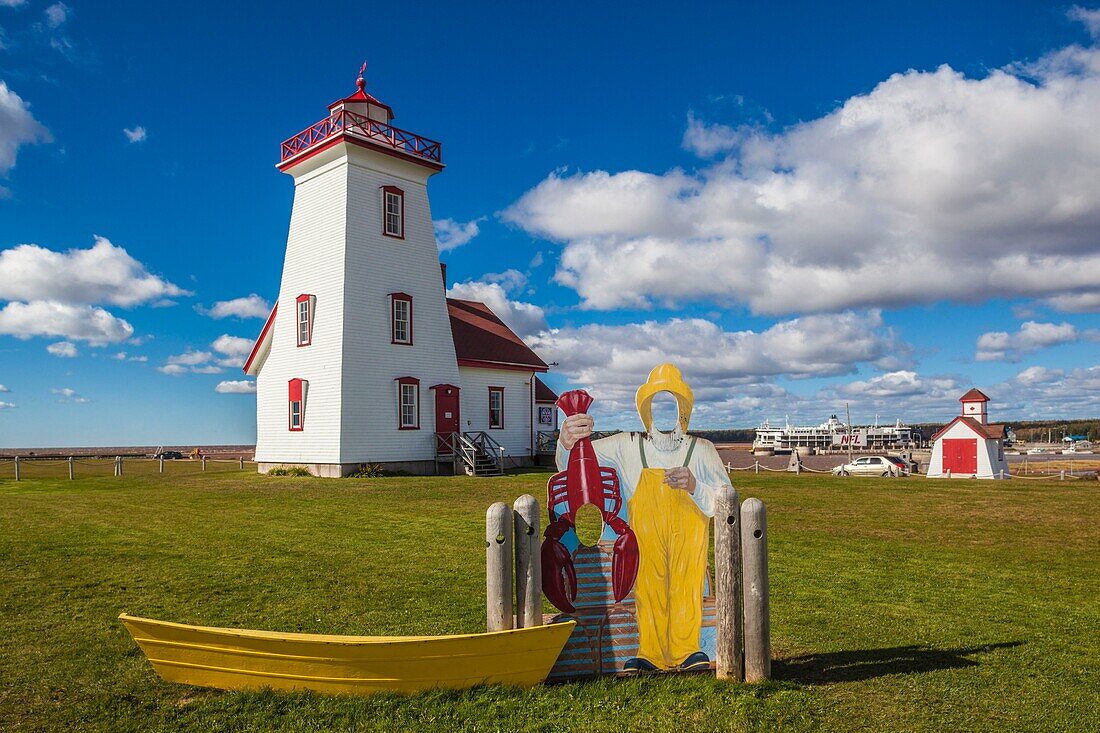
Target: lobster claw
[
  {"x": 559, "y": 577},
  {"x": 624, "y": 563}
]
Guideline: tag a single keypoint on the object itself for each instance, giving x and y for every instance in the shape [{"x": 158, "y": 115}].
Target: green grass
[{"x": 896, "y": 604}]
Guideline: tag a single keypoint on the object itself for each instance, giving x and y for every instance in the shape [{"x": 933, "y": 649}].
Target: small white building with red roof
[
  {"x": 363, "y": 358},
  {"x": 968, "y": 446}
]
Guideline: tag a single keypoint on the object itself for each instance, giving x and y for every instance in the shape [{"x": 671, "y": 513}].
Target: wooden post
[
  {"x": 118, "y": 465},
  {"x": 729, "y": 662},
  {"x": 162, "y": 463},
  {"x": 1062, "y": 475},
  {"x": 757, "y": 462},
  {"x": 525, "y": 515},
  {"x": 204, "y": 462},
  {"x": 1002, "y": 473},
  {"x": 754, "y": 548},
  {"x": 949, "y": 473},
  {"x": 242, "y": 463},
  {"x": 498, "y": 567},
  {"x": 17, "y": 468},
  {"x": 70, "y": 468}
]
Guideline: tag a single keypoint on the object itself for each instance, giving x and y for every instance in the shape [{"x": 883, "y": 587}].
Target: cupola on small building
[
  {"x": 968, "y": 446},
  {"x": 363, "y": 358}
]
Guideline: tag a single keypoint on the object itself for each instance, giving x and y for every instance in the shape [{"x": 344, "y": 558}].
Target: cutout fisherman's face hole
[
  {"x": 666, "y": 412},
  {"x": 589, "y": 525}
]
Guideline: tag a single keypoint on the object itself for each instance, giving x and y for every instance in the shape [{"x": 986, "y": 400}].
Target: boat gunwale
[{"x": 335, "y": 639}]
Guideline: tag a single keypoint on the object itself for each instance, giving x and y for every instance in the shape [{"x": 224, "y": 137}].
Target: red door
[
  {"x": 446, "y": 411},
  {"x": 960, "y": 455}
]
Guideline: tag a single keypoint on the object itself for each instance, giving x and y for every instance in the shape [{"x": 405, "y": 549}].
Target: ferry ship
[{"x": 832, "y": 435}]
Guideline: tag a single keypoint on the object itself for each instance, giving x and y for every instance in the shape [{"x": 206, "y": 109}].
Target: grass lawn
[{"x": 902, "y": 604}]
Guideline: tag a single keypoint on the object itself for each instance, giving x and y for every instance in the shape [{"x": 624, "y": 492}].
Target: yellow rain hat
[{"x": 665, "y": 378}]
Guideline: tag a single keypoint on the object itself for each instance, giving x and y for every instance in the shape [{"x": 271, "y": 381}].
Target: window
[
  {"x": 496, "y": 407},
  {"x": 393, "y": 212},
  {"x": 296, "y": 396},
  {"x": 401, "y": 311},
  {"x": 408, "y": 403},
  {"x": 305, "y": 319}
]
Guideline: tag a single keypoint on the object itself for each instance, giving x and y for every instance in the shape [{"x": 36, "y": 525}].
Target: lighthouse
[{"x": 358, "y": 360}]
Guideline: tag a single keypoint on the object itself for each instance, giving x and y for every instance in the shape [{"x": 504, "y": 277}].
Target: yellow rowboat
[{"x": 240, "y": 659}]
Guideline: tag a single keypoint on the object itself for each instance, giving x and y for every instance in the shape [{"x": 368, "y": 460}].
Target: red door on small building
[
  {"x": 960, "y": 455},
  {"x": 446, "y": 413}
]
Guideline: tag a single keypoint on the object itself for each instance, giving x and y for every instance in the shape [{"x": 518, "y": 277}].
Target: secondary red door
[
  {"x": 446, "y": 410},
  {"x": 960, "y": 455}
]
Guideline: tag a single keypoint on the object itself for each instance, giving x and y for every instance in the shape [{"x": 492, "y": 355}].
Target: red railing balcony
[{"x": 357, "y": 125}]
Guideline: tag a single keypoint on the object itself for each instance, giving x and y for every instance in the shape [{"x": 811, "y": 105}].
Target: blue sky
[{"x": 802, "y": 205}]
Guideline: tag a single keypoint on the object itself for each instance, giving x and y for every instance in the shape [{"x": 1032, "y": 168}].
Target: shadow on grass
[{"x": 865, "y": 664}]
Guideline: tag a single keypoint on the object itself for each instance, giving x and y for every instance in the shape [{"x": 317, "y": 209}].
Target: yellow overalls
[{"x": 672, "y": 545}]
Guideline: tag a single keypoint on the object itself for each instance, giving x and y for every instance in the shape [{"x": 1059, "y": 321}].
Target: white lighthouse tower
[{"x": 342, "y": 365}]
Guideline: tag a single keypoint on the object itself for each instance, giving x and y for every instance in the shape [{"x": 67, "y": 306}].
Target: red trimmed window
[
  {"x": 393, "y": 212},
  {"x": 496, "y": 407},
  {"x": 401, "y": 319},
  {"x": 408, "y": 403},
  {"x": 304, "y": 313},
  {"x": 296, "y": 397}
]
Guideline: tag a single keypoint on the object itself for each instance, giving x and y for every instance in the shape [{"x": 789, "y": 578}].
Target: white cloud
[
  {"x": 135, "y": 135},
  {"x": 523, "y": 318},
  {"x": 4, "y": 389},
  {"x": 239, "y": 386},
  {"x": 249, "y": 306},
  {"x": 67, "y": 394},
  {"x": 706, "y": 141},
  {"x": 57, "y": 14},
  {"x": 18, "y": 127},
  {"x": 1090, "y": 19},
  {"x": 103, "y": 273},
  {"x": 1076, "y": 303},
  {"x": 138, "y": 358},
  {"x": 7, "y": 405},
  {"x": 1032, "y": 337},
  {"x": 73, "y": 322},
  {"x": 173, "y": 370},
  {"x": 64, "y": 349},
  {"x": 233, "y": 349},
  {"x": 451, "y": 234},
  {"x": 12, "y": 3},
  {"x": 730, "y": 371},
  {"x": 120, "y": 356},
  {"x": 932, "y": 186},
  {"x": 190, "y": 357}
]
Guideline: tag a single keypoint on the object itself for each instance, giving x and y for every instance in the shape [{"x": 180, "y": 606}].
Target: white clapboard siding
[
  {"x": 314, "y": 264},
  {"x": 376, "y": 266},
  {"x": 516, "y": 435}
]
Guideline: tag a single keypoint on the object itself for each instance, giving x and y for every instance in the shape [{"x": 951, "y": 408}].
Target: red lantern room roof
[
  {"x": 974, "y": 395},
  {"x": 361, "y": 95},
  {"x": 364, "y": 121}
]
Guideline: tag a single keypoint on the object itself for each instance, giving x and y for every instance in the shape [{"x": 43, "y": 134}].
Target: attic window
[{"x": 393, "y": 212}]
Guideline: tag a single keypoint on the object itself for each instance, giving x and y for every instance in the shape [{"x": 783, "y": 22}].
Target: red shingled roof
[
  {"x": 993, "y": 432},
  {"x": 482, "y": 339},
  {"x": 974, "y": 395},
  {"x": 544, "y": 393}
]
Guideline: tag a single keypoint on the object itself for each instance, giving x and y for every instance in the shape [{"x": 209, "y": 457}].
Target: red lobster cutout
[{"x": 582, "y": 482}]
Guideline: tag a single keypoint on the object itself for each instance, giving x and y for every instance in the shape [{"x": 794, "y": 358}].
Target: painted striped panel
[{"x": 606, "y": 635}]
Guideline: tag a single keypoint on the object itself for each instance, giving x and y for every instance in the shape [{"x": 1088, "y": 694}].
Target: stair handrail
[{"x": 489, "y": 446}]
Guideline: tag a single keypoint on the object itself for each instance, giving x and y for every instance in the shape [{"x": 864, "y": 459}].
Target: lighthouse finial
[{"x": 360, "y": 82}]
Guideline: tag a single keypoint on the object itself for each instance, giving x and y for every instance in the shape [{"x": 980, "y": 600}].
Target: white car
[{"x": 873, "y": 466}]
